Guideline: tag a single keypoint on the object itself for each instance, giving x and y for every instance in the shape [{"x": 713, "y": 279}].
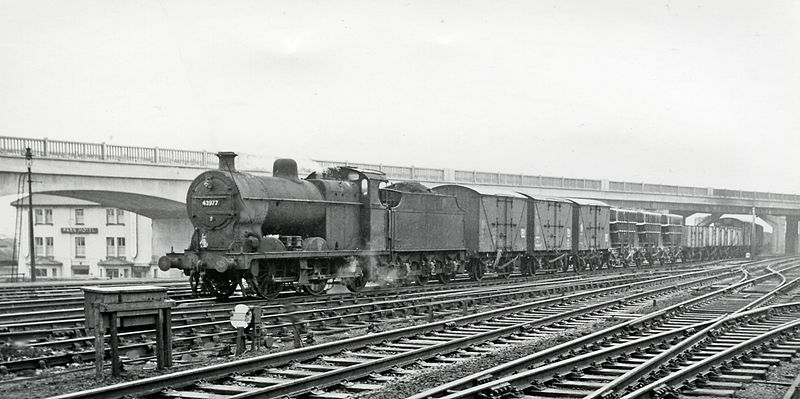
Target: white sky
[{"x": 676, "y": 92}]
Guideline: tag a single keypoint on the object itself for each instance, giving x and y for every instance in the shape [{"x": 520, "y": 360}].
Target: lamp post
[{"x": 31, "y": 248}]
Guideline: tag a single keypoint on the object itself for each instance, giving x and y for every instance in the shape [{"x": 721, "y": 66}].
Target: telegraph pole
[{"x": 31, "y": 248}]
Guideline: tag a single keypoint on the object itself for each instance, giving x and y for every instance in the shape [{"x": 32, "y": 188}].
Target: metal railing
[{"x": 45, "y": 148}]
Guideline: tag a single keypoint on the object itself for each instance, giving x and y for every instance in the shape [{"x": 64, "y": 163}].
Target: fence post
[
  {"x": 156, "y": 155},
  {"x": 413, "y": 173},
  {"x": 44, "y": 147},
  {"x": 103, "y": 150}
]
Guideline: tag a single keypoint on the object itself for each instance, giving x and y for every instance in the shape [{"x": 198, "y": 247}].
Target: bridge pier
[
  {"x": 169, "y": 234},
  {"x": 777, "y": 243},
  {"x": 791, "y": 234}
]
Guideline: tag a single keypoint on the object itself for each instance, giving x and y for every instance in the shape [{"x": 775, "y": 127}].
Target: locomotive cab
[{"x": 371, "y": 217}]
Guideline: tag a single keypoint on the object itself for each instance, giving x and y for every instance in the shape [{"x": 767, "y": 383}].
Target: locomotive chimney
[
  {"x": 285, "y": 168},
  {"x": 226, "y": 161}
]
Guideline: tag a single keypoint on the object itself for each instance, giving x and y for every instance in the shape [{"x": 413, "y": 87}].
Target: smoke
[{"x": 373, "y": 270}]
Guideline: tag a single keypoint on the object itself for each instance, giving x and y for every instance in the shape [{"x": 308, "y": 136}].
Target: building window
[
  {"x": 80, "y": 247},
  {"x": 121, "y": 247},
  {"x": 48, "y": 247},
  {"x": 79, "y": 216},
  {"x": 38, "y": 246},
  {"x": 43, "y": 216},
  {"x": 111, "y": 249},
  {"x": 113, "y": 273},
  {"x": 41, "y": 272},
  {"x": 115, "y": 216}
]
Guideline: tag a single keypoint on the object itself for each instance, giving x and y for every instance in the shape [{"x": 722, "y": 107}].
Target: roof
[
  {"x": 532, "y": 193},
  {"x": 43, "y": 261},
  {"x": 588, "y": 202},
  {"x": 486, "y": 190},
  {"x": 53, "y": 200},
  {"x": 115, "y": 262},
  {"x": 369, "y": 173}
]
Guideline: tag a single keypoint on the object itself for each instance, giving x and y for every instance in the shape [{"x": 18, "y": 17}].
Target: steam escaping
[{"x": 376, "y": 272}]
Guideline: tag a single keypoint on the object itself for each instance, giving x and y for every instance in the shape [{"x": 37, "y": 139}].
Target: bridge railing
[{"x": 45, "y": 148}]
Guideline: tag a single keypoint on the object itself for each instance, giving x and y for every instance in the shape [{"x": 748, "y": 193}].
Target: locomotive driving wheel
[
  {"x": 220, "y": 285},
  {"x": 194, "y": 282},
  {"x": 267, "y": 286}
]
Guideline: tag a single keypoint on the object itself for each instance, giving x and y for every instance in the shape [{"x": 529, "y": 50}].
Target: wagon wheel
[
  {"x": 577, "y": 265},
  {"x": 475, "y": 270},
  {"x": 220, "y": 285},
  {"x": 525, "y": 267},
  {"x": 267, "y": 286},
  {"x": 443, "y": 278},
  {"x": 505, "y": 272}
]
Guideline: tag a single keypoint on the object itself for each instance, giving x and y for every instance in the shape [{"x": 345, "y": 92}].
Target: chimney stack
[{"x": 226, "y": 161}]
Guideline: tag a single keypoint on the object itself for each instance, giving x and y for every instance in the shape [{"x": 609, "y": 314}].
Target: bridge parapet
[{"x": 57, "y": 149}]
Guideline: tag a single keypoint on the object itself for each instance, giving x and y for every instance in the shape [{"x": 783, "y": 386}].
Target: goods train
[{"x": 348, "y": 224}]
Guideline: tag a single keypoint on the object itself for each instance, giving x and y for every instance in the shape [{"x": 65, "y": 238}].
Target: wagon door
[{"x": 502, "y": 224}]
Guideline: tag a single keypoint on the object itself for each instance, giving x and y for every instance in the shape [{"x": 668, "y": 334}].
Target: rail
[{"x": 58, "y": 149}]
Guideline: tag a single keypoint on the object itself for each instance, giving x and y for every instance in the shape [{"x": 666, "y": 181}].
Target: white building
[{"x": 80, "y": 239}]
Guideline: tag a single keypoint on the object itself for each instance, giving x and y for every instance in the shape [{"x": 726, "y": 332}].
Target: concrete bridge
[{"x": 153, "y": 182}]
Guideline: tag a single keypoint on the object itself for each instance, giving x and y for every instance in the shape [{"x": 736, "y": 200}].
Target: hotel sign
[{"x": 79, "y": 230}]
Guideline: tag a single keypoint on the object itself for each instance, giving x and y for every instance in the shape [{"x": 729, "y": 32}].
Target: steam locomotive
[{"x": 351, "y": 225}]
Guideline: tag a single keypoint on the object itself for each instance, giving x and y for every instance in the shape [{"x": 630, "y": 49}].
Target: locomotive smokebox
[
  {"x": 226, "y": 161},
  {"x": 285, "y": 168}
]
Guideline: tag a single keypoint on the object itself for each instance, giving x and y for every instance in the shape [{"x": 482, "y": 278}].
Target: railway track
[
  {"x": 195, "y": 326},
  {"x": 303, "y": 371},
  {"x": 709, "y": 345}
]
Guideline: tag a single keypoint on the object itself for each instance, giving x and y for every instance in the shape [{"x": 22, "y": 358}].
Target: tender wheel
[
  {"x": 220, "y": 285},
  {"x": 444, "y": 278},
  {"x": 316, "y": 287},
  {"x": 355, "y": 284}
]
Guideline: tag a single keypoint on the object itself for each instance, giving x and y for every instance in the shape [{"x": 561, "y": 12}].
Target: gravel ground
[
  {"x": 786, "y": 372},
  {"x": 79, "y": 377},
  {"x": 428, "y": 378}
]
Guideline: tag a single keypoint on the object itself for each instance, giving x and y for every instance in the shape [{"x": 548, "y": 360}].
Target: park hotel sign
[{"x": 79, "y": 230}]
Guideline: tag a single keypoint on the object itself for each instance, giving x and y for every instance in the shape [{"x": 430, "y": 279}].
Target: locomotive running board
[{"x": 307, "y": 254}]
